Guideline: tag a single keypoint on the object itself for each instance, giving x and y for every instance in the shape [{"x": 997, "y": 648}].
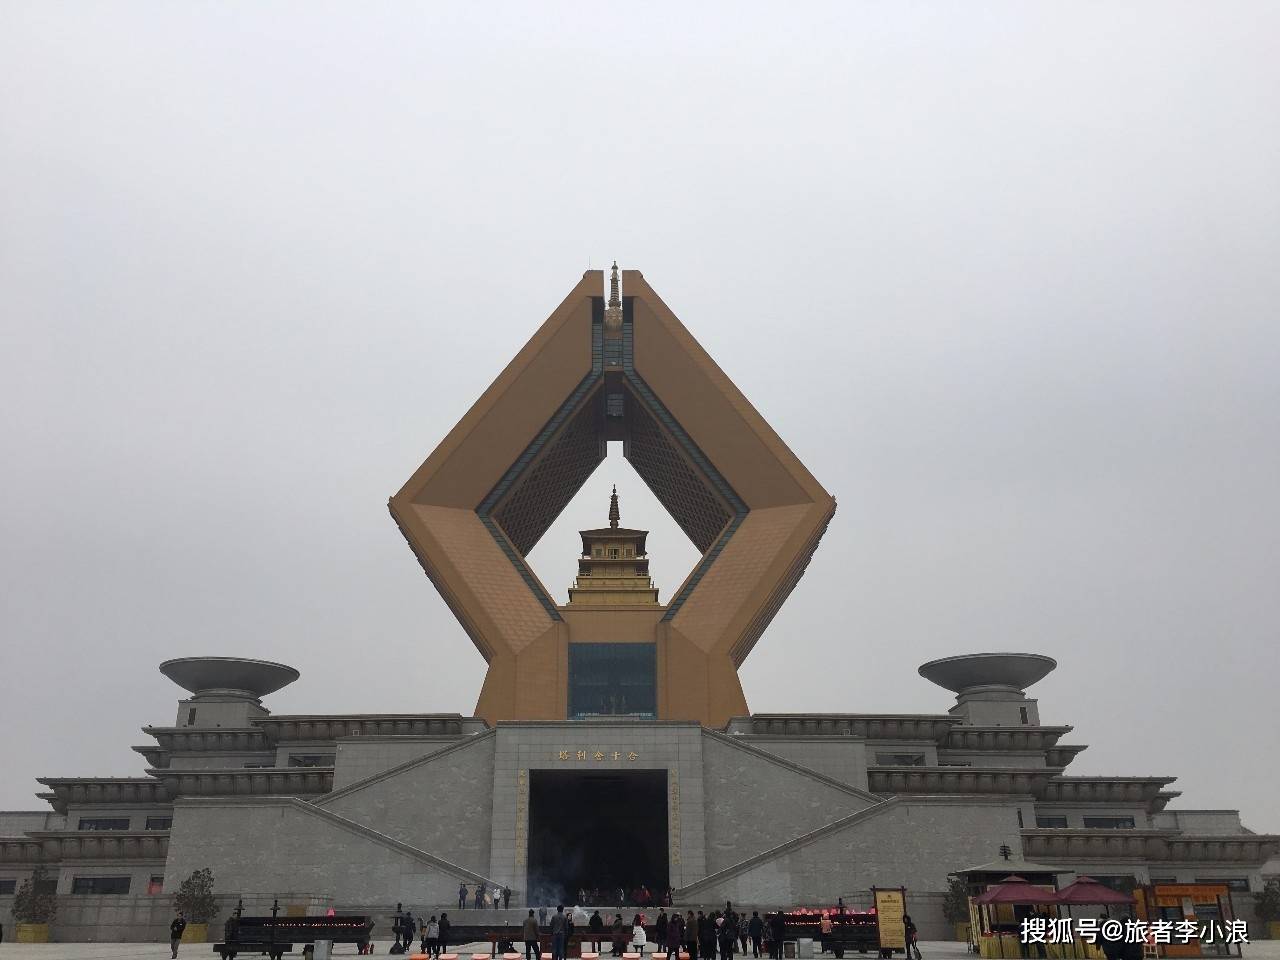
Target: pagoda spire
[
  {"x": 614, "y": 299},
  {"x": 614, "y": 515}
]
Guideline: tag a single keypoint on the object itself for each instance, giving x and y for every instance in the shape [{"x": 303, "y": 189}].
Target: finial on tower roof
[
  {"x": 614, "y": 299},
  {"x": 614, "y": 515}
]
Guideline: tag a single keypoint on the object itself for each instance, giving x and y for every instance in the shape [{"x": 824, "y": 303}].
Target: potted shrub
[
  {"x": 955, "y": 906},
  {"x": 1267, "y": 906},
  {"x": 195, "y": 900},
  {"x": 34, "y": 906}
]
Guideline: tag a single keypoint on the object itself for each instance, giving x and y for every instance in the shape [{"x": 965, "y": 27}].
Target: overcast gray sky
[{"x": 1003, "y": 275}]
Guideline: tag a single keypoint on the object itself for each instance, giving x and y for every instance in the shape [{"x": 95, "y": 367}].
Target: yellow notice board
[{"x": 890, "y": 907}]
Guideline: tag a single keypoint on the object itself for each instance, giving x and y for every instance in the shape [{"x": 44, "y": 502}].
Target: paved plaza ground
[{"x": 941, "y": 950}]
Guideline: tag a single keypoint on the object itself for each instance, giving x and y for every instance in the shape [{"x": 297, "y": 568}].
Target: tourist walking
[
  {"x": 755, "y": 930},
  {"x": 910, "y": 937},
  {"x": 178, "y": 925},
  {"x": 596, "y": 926},
  {"x": 728, "y": 937},
  {"x": 530, "y": 934}
]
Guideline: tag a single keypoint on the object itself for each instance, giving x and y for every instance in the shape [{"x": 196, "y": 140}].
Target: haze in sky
[{"x": 1003, "y": 275}]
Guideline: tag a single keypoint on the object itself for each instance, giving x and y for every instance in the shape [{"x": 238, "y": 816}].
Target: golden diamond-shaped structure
[{"x": 623, "y": 368}]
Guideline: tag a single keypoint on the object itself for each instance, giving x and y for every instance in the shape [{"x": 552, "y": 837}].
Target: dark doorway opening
[{"x": 597, "y": 830}]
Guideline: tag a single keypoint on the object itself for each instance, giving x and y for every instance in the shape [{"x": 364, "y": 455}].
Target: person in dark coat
[
  {"x": 530, "y": 933},
  {"x": 660, "y": 929},
  {"x": 755, "y": 930},
  {"x": 462, "y": 896},
  {"x": 442, "y": 944},
  {"x": 176, "y": 928},
  {"x": 596, "y": 926},
  {"x": 559, "y": 933},
  {"x": 910, "y": 935},
  {"x": 674, "y": 936},
  {"x": 777, "y": 932},
  {"x": 691, "y": 935}
]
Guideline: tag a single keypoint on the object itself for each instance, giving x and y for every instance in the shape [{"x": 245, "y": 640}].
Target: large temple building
[{"x": 611, "y": 744}]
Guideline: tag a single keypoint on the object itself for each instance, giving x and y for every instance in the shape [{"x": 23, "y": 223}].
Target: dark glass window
[
  {"x": 612, "y": 679},
  {"x": 191, "y": 717},
  {"x": 159, "y": 823},
  {"x": 104, "y": 823},
  {"x": 900, "y": 759},
  {"x": 1109, "y": 823},
  {"x": 311, "y": 760},
  {"x": 1022, "y": 712},
  {"x": 155, "y": 885},
  {"x": 7, "y": 887},
  {"x": 1051, "y": 823},
  {"x": 100, "y": 885}
]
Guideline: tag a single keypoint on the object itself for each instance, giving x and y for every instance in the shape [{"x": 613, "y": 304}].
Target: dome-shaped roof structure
[
  {"x": 256, "y": 678},
  {"x": 1015, "y": 671}
]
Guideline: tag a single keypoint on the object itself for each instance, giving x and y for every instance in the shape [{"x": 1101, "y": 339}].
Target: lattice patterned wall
[
  {"x": 681, "y": 491},
  {"x": 542, "y": 493}
]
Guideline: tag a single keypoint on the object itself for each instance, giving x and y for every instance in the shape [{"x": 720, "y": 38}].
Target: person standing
[
  {"x": 176, "y": 928},
  {"x": 777, "y": 932},
  {"x": 825, "y": 926},
  {"x": 619, "y": 932},
  {"x": 442, "y": 942},
  {"x": 462, "y": 896},
  {"x": 532, "y": 950},
  {"x": 660, "y": 930},
  {"x": 478, "y": 902},
  {"x": 596, "y": 926},
  {"x": 691, "y": 935},
  {"x": 675, "y": 935},
  {"x": 755, "y": 930},
  {"x": 431, "y": 937},
  {"x": 506, "y": 898},
  {"x": 558, "y": 932},
  {"x": 910, "y": 936}
]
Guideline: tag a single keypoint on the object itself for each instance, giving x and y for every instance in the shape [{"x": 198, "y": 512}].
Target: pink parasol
[
  {"x": 1015, "y": 889},
  {"x": 1086, "y": 890}
]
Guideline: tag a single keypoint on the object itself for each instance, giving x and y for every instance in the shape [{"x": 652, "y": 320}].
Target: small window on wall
[
  {"x": 100, "y": 886},
  {"x": 599, "y": 553},
  {"x": 1122, "y": 882},
  {"x": 159, "y": 823},
  {"x": 1022, "y": 712},
  {"x": 7, "y": 887},
  {"x": 104, "y": 823},
  {"x": 191, "y": 717},
  {"x": 1109, "y": 823},
  {"x": 155, "y": 885},
  {"x": 1051, "y": 823},
  {"x": 900, "y": 759},
  {"x": 613, "y": 553}
]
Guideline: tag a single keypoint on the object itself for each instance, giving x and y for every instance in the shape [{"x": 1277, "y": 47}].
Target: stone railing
[
  {"x": 285, "y": 728},
  {"x": 869, "y": 726},
  {"x": 894, "y": 781},
  {"x": 1052, "y": 845},
  {"x": 1106, "y": 789},
  {"x": 1061, "y": 755},
  {"x": 103, "y": 844},
  {"x": 253, "y": 782},
  {"x": 24, "y": 850},
  {"x": 115, "y": 791},
  {"x": 209, "y": 739},
  {"x": 1003, "y": 738}
]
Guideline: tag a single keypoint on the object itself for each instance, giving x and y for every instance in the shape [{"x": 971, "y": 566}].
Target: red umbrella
[
  {"x": 1089, "y": 890},
  {"x": 1016, "y": 889}
]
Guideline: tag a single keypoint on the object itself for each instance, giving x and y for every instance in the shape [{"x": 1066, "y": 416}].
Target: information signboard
[{"x": 891, "y": 906}]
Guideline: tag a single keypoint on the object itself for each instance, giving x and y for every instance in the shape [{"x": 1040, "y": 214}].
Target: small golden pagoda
[{"x": 613, "y": 569}]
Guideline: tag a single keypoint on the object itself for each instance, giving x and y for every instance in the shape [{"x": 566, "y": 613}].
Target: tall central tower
[{"x": 615, "y": 367}]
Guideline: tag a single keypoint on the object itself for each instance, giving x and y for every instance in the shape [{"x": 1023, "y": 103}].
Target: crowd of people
[
  {"x": 714, "y": 935},
  {"x": 483, "y": 896}
]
